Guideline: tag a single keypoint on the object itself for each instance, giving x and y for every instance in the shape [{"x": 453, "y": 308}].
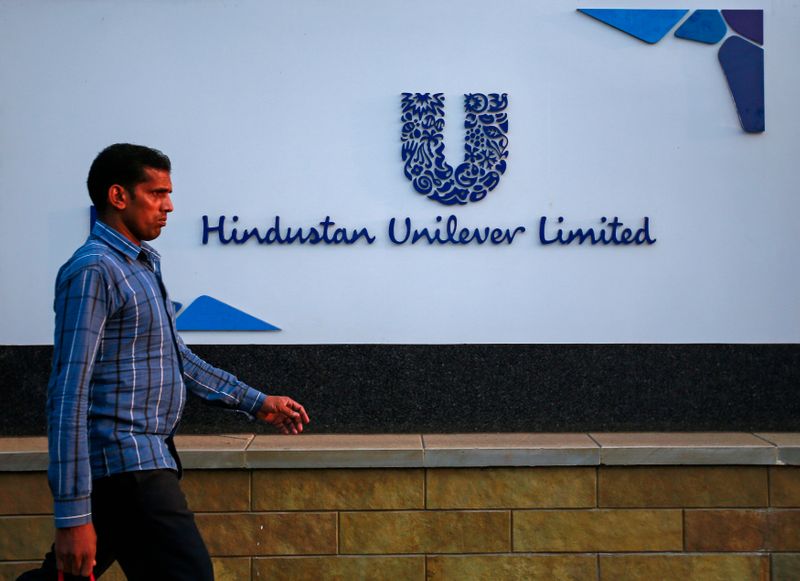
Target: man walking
[{"x": 117, "y": 389}]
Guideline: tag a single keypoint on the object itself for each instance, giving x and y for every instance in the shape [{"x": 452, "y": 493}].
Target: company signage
[
  {"x": 425, "y": 165},
  {"x": 486, "y": 151},
  {"x": 443, "y": 231},
  {"x": 419, "y": 172}
]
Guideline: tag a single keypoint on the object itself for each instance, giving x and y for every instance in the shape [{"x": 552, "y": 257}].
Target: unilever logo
[{"x": 485, "y": 147}]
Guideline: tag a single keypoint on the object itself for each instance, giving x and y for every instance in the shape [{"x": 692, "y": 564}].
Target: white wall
[{"x": 292, "y": 108}]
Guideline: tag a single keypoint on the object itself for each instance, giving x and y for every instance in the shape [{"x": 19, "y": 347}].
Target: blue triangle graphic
[
  {"x": 647, "y": 25},
  {"x": 208, "y": 314}
]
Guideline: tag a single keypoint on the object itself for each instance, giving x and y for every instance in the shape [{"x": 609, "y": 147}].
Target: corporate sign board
[
  {"x": 417, "y": 172},
  {"x": 425, "y": 165}
]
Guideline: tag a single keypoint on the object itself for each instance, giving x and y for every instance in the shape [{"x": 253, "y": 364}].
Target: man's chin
[{"x": 155, "y": 233}]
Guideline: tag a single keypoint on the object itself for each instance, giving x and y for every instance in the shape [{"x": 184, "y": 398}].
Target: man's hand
[
  {"x": 284, "y": 413},
  {"x": 75, "y": 549}
]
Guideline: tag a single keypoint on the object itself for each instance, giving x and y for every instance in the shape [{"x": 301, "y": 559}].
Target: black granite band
[{"x": 478, "y": 388}]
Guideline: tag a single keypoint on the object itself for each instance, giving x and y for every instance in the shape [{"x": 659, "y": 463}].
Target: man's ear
[{"x": 117, "y": 197}]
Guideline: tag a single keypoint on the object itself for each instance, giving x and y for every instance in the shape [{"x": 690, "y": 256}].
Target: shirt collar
[{"x": 117, "y": 241}]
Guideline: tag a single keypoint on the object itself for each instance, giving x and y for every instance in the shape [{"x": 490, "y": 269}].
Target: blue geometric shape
[
  {"x": 647, "y": 25},
  {"x": 176, "y": 306},
  {"x": 208, "y": 314},
  {"x": 748, "y": 23},
  {"x": 743, "y": 64},
  {"x": 703, "y": 26}
]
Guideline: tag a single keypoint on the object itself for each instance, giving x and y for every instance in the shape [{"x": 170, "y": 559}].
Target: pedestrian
[{"x": 119, "y": 381}]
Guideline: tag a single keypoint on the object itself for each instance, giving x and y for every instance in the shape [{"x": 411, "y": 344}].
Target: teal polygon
[{"x": 647, "y": 25}]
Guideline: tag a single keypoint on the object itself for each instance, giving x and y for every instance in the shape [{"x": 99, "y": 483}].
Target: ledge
[
  {"x": 336, "y": 451},
  {"x": 685, "y": 448},
  {"x": 788, "y": 445},
  {"x": 246, "y": 451},
  {"x": 23, "y": 454},
  {"x": 455, "y": 450}
]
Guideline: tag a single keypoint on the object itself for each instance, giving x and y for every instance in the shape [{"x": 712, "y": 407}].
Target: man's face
[{"x": 145, "y": 214}]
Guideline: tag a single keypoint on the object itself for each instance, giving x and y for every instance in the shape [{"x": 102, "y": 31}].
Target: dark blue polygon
[
  {"x": 647, "y": 25},
  {"x": 748, "y": 23},
  {"x": 743, "y": 64},
  {"x": 208, "y": 314},
  {"x": 703, "y": 26},
  {"x": 176, "y": 306}
]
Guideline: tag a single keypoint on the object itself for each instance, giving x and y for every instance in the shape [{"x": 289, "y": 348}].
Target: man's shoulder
[{"x": 92, "y": 255}]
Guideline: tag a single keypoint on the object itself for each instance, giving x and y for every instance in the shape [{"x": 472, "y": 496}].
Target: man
[{"x": 118, "y": 385}]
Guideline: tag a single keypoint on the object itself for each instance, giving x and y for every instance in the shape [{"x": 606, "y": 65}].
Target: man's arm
[
  {"x": 218, "y": 387},
  {"x": 81, "y": 306}
]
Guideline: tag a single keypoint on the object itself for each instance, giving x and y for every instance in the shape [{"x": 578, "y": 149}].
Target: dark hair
[{"x": 121, "y": 164}]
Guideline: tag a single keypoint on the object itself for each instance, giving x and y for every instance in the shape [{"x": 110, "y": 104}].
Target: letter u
[{"x": 485, "y": 147}]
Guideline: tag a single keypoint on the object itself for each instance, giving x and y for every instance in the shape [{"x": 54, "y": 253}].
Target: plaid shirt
[{"x": 120, "y": 371}]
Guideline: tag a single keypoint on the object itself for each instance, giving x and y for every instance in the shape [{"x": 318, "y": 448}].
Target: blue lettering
[
  {"x": 276, "y": 234},
  {"x": 393, "y": 238},
  {"x": 219, "y": 229},
  {"x": 609, "y": 232},
  {"x": 452, "y": 234}
]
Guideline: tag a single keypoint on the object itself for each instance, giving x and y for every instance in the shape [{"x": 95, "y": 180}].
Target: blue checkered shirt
[{"x": 120, "y": 371}]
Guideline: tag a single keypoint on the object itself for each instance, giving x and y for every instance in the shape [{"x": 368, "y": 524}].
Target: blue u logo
[{"x": 485, "y": 147}]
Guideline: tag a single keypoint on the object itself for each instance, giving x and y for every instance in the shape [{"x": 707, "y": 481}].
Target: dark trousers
[{"x": 142, "y": 520}]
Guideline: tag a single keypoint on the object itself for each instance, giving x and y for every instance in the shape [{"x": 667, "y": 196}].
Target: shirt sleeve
[
  {"x": 81, "y": 307},
  {"x": 218, "y": 387}
]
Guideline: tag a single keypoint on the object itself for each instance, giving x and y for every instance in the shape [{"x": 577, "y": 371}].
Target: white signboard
[{"x": 290, "y": 115}]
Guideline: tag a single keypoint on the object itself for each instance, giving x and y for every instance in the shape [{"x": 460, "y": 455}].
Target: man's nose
[{"x": 168, "y": 207}]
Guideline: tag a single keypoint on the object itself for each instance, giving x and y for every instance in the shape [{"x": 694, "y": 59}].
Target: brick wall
[{"x": 703, "y": 523}]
